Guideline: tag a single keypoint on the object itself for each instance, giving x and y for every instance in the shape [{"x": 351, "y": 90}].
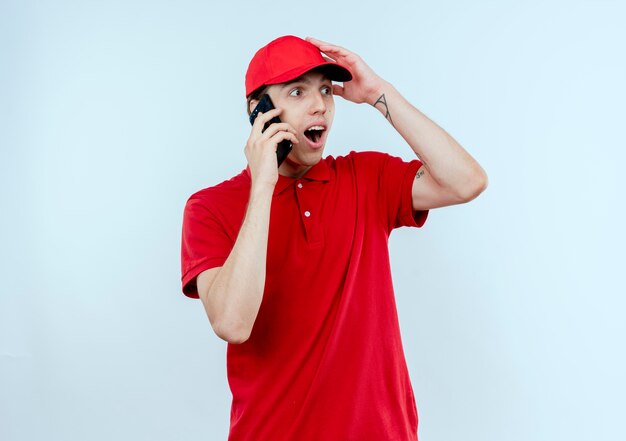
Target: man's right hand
[{"x": 261, "y": 147}]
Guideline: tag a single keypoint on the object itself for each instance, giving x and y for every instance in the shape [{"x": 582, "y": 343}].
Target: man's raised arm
[{"x": 450, "y": 175}]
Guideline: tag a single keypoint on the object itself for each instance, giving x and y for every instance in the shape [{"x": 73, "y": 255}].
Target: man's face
[{"x": 308, "y": 106}]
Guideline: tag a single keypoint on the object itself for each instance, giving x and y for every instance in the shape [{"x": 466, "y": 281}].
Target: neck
[{"x": 292, "y": 169}]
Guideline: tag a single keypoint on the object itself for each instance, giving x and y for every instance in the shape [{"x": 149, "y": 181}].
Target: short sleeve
[
  {"x": 394, "y": 179},
  {"x": 205, "y": 243}
]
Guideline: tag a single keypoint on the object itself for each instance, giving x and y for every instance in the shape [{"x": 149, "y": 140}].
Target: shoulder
[
  {"x": 362, "y": 162},
  {"x": 226, "y": 189},
  {"x": 358, "y": 158},
  {"x": 231, "y": 193}
]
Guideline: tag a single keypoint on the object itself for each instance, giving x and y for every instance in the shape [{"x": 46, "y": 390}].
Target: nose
[{"x": 318, "y": 103}]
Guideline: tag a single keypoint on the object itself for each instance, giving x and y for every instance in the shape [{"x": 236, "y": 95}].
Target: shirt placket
[{"x": 310, "y": 213}]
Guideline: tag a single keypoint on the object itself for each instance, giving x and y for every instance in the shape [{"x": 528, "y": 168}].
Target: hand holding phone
[{"x": 265, "y": 104}]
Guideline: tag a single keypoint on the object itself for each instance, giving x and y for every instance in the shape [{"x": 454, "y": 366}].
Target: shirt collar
[{"x": 319, "y": 172}]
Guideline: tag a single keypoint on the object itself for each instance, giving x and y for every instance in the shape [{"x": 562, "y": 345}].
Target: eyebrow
[
  {"x": 301, "y": 79},
  {"x": 297, "y": 80}
]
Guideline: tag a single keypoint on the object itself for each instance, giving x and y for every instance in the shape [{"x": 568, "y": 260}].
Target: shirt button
[
  {"x": 299, "y": 184},
  {"x": 307, "y": 213}
]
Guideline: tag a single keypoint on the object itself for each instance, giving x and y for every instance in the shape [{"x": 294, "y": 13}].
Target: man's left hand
[{"x": 365, "y": 85}]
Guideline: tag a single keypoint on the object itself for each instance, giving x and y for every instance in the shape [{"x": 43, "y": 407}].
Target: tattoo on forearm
[
  {"x": 419, "y": 174},
  {"x": 382, "y": 100}
]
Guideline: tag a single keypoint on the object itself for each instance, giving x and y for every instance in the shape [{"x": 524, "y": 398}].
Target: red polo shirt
[{"x": 324, "y": 360}]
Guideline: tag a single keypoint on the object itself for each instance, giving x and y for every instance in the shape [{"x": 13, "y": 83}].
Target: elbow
[
  {"x": 227, "y": 324},
  {"x": 474, "y": 187},
  {"x": 232, "y": 332}
]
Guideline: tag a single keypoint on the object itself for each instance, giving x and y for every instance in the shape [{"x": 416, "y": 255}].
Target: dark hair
[{"x": 255, "y": 95}]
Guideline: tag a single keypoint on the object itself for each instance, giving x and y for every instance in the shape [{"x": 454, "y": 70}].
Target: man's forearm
[
  {"x": 446, "y": 160},
  {"x": 235, "y": 296}
]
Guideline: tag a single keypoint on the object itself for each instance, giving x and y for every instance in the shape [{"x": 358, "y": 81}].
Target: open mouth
[{"x": 314, "y": 133}]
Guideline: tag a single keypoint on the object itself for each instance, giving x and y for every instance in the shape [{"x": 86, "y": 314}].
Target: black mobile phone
[{"x": 265, "y": 105}]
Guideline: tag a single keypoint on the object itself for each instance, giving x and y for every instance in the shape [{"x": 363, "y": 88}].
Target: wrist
[{"x": 377, "y": 91}]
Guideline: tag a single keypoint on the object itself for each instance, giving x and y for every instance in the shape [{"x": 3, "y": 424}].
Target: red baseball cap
[{"x": 285, "y": 59}]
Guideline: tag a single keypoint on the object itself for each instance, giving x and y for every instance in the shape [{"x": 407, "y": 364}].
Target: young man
[{"x": 291, "y": 262}]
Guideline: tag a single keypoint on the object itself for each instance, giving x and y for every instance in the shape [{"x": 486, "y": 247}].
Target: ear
[{"x": 252, "y": 105}]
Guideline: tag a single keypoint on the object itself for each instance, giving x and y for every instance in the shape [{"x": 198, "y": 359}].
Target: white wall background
[{"x": 113, "y": 112}]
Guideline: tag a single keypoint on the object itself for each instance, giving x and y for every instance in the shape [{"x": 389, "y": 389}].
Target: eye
[
  {"x": 327, "y": 90},
  {"x": 295, "y": 92}
]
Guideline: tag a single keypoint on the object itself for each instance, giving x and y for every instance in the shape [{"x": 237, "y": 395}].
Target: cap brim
[{"x": 333, "y": 71}]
